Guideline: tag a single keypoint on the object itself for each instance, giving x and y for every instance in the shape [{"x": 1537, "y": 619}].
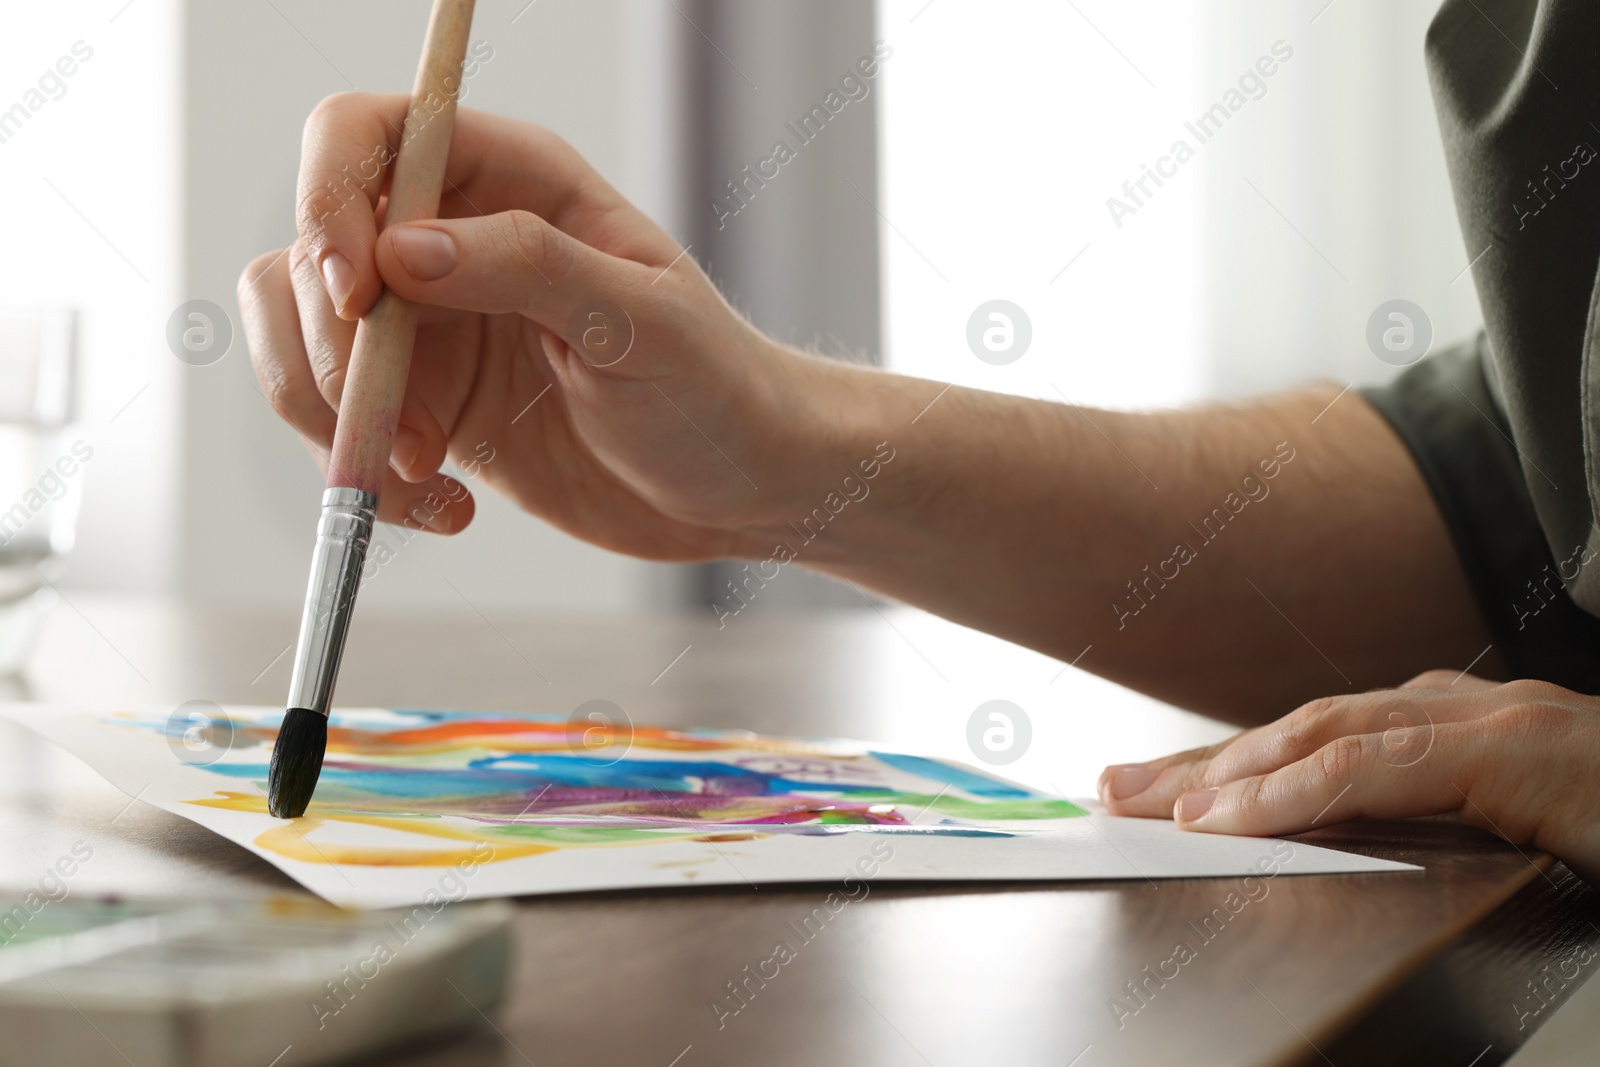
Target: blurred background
[{"x": 976, "y": 164}]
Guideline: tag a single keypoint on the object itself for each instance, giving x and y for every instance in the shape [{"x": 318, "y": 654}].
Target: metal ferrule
[{"x": 342, "y": 535}]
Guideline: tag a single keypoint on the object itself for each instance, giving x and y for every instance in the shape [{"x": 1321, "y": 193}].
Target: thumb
[{"x": 497, "y": 264}]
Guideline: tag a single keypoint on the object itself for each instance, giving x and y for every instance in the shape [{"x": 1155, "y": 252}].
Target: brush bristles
[{"x": 296, "y": 762}]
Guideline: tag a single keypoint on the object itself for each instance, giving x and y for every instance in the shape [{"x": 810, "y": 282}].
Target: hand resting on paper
[{"x": 1517, "y": 759}]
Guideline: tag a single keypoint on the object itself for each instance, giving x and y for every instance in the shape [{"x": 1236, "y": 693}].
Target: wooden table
[{"x": 1405, "y": 968}]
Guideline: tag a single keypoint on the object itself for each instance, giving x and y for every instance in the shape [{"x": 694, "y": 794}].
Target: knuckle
[
  {"x": 330, "y": 109},
  {"x": 314, "y": 208},
  {"x": 1435, "y": 679},
  {"x": 1201, "y": 774},
  {"x": 1251, "y": 796},
  {"x": 275, "y": 387},
  {"x": 1305, "y": 725},
  {"x": 1208, "y": 752},
  {"x": 248, "y": 287},
  {"x": 1338, "y": 760},
  {"x": 1532, "y": 721},
  {"x": 304, "y": 277},
  {"x": 528, "y": 234},
  {"x": 537, "y": 249},
  {"x": 1532, "y": 691},
  {"x": 323, "y": 206},
  {"x": 329, "y": 381},
  {"x": 547, "y": 142},
  {"x": 550, "y": 144},
  {"x": 320, "y": 198}
]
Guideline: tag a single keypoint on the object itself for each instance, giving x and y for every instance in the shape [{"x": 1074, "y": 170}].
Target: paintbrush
[{"x": 369, "y": 411}]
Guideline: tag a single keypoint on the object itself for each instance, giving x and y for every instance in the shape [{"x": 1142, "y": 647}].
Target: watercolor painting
[
  {"x": 491, "y": 804},
  {"x": 526, "y": 785}
]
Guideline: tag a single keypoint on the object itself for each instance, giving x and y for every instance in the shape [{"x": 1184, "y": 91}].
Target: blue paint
[
  {"x": 712, "y": 777},
  {"x": 979, "y": 785}
]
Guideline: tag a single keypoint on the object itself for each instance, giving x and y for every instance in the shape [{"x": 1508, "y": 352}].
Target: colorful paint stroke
[
  {"x": 527, "y": 785},
  {"x": 419, "y": 809}
]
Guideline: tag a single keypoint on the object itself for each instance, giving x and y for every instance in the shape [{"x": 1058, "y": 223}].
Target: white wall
[
  {"x": 1347, "y": 148},
  {"x": 1007, "y": 127},
  {"x": 590, "y": 69}
]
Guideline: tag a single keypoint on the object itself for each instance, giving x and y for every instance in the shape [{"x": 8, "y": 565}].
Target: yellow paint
[{"x": 290, "y": 840}]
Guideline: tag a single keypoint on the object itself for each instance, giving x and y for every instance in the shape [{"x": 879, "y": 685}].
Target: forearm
[{"x": 1235, "y": 560}]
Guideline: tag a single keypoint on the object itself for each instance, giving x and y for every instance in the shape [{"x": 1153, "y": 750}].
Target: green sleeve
[{"x": 1444, "y": 411}]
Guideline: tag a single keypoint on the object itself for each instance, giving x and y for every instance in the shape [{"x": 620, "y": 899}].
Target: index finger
[
  {"x": 1389, "y": 715},
  {"x": 496, "y": 164},
  {"x": 345, "y": 151},
  {"x": 1347, "y": 779}
]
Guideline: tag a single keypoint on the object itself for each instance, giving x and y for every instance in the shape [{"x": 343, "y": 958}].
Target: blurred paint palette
[{"x": 285, "y": 980}]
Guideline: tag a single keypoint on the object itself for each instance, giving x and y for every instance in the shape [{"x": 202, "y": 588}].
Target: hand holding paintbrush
[{"x": 369, "y": 411}]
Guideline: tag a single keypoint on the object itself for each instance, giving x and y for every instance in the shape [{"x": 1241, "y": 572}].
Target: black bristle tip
[{"x": 296, "y": 762}]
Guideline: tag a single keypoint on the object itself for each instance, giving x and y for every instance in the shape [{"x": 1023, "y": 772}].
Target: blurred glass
[{"x": 41, "y": 470}]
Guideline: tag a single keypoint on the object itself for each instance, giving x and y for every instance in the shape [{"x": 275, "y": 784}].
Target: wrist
[{"x": 837, "y": 487}]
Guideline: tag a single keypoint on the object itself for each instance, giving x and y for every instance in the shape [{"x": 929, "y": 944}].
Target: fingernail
[
  {"x": 339, "y": 277},
  {"x": 1193, "y": 805},
  {"x": 407, "y": 443},
  {"x": 427, "y": 254},
  {"x": 1131, "y": 780}
]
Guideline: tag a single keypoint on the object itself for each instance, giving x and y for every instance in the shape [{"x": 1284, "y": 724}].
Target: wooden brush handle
[{"x": 375, "y": 384}]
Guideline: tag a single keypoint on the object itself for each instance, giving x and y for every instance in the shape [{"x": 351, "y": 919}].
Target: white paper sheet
[{"x": 418, "y": 807}]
